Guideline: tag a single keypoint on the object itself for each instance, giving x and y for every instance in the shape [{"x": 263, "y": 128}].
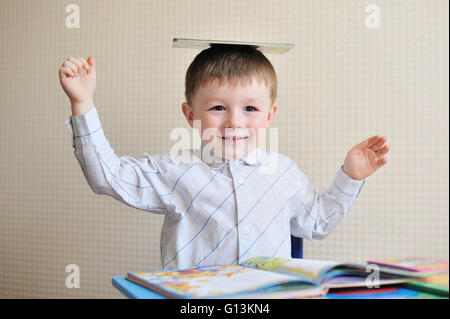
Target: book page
[
  {"x": 211, "y": 281},
  {"x": 306, "y": 269}
]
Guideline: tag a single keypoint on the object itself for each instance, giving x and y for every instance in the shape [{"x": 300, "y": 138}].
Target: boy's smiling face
[{"x": 233, "y": 116}]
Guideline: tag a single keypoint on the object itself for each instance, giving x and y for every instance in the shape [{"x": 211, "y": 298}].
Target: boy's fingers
[
  {"x": 382, "y": 151},
  {"x": 91, "y": 62},
  {"x": 381, "y": 162},
  {"x": 71, "y": 65},
  {"x": 365, "y": 143},
  {"x": 373, "y": 140},
  {"x": 66, "y": 70},
  {"x": 77, "y": 63},
  {"x": 84, "y": 62},
  {"x": 379, "y": 144}
]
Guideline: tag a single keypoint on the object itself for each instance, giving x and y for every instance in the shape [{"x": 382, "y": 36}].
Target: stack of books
[{"x": 275, "y": 277}]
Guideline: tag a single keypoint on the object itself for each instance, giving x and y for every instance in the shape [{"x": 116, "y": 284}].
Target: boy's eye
[
  {"x": 217, "y": 108},
  {"x": 220, "y": 108}
]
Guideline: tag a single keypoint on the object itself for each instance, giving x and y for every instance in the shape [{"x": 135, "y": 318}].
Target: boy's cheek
[
  {"x": 210, "y": 134},
  {"x": 260, "y": 135}
]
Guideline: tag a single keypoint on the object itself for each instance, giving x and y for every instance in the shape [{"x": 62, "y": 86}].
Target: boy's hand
[
  {"x": 78, "y": 86},
  {"x": 366, "y": 157}
]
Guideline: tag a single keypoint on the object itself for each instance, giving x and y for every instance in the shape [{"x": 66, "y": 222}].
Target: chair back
[{"x": 296, "y": 247}]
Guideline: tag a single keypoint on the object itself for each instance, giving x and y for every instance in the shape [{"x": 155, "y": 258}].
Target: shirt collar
[{"x": 255, "y": 157}]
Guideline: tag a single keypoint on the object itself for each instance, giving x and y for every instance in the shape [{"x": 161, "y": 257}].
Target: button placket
[{"x": 237, "y": 179}]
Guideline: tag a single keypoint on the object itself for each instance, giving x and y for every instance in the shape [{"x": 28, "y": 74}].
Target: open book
[{"x": 266, "y": 277}]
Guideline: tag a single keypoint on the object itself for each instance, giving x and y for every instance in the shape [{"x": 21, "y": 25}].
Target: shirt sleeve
[
  {"x": 140, "y": 183},
  {"x": 317, "y": 214}
]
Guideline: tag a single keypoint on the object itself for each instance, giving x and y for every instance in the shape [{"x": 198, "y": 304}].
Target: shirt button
[
  {"x": 245, "y": 230},
  {"x": 240, "y": 181}
]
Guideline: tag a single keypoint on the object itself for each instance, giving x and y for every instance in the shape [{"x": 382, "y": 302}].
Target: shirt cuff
[
  {"x": 346, "y": 185},
  {"x": 84, "y": 124}
]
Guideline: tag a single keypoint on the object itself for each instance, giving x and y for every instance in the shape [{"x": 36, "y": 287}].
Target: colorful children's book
[
  {"x": 265, "y": 277},
  {"x": 437, "y": 285},
  {"x": 417, "y": 264}
]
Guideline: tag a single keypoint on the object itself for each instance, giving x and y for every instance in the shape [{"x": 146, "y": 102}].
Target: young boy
[{"x": 238, "y": 206}]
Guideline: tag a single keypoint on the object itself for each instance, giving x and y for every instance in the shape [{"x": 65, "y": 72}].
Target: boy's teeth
[{"x": 233, "y": 138}]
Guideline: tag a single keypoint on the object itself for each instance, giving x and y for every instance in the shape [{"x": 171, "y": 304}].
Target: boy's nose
[{"x": 234, "y": 120}]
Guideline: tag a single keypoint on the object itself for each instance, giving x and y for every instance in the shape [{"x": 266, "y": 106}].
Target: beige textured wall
[{"x": 342, "y": 83}]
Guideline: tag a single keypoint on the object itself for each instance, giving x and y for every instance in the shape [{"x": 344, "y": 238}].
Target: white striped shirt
[{"x": 219, "y": 213}]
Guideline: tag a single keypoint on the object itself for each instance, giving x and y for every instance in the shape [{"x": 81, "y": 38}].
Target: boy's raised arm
[
  {"x": 317, "y": 214},
  {"x": 136, "y": 182}
]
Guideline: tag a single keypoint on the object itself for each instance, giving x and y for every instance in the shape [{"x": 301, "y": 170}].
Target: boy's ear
[
  {"x": 187, "y": 111},
  {"x": 271, "y": 114}
]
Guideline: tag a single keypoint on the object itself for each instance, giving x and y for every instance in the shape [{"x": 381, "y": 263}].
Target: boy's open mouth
[{"x": 234, "y": 138}]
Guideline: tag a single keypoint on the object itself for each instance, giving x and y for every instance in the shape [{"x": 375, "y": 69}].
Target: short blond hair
[{"x": 231, "y": 63}]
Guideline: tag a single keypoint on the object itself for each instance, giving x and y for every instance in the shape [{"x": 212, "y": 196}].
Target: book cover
[
  {"x": 437, "y": 285},
  {"x": 391, "y": 292}
]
